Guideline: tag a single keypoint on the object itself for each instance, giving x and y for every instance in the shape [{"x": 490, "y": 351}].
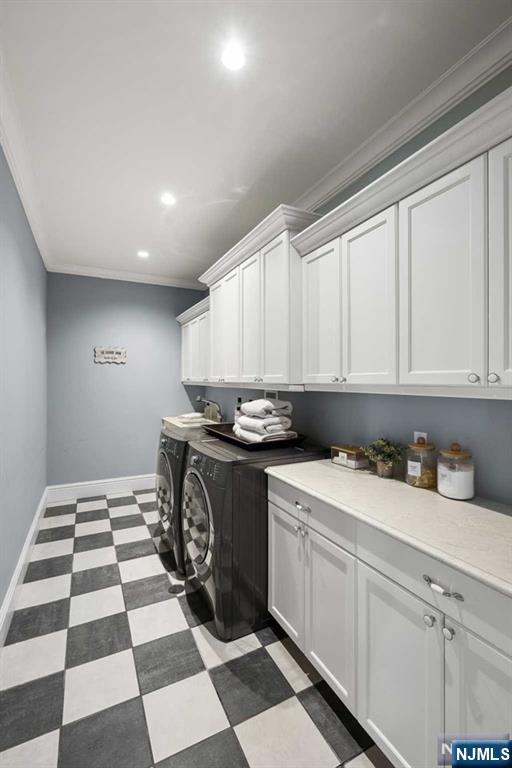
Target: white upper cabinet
[
  {"x": 250, "y": 319},
  {"x": 186, "y": 353},
  {"x": 369, "y": 301},
  {"x": 203, "y": 346},
  {"x": 216, "y": 331},
  {"x": 500, "y": 265},
  {"x": 225, "y": 328},
  {"x": 321, "y": 281},
  {"x": 442, "y": 266}
]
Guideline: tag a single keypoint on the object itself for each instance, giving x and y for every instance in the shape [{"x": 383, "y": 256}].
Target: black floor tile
[
  {"x": 93, "y": 541},
  {"x": 250, "y": 684},
  {"x": 92, "y": 515},
  {"x": 148, "y": 506},
  {"x": 271, "y": 633},
  {"x": 122, "y": 501},
  {"x": 196, "y": 609},
  {"x": 55, "y": 534},
  {"x": 167, "y": 660},
  {"x": 220, "y": 751},
  {"x": 31, "y": 709},
  {"x": 95, "y": 639},
  {"x": 95, "y": 578},
  {"x": 51, "y": 566},
  {"x": 91, "y": 498},
  {"x": 113, "y": 738},
  {"x": 38, "y": 620},
  {"x": 334, "y": 721},
  {"x": 135, "y": 549},
  {"x": 155, "y": 529},
  {"x": 127, "y": 521},
  {"x": 62, "y": 509},
  {"x": 145, "y": 591}
]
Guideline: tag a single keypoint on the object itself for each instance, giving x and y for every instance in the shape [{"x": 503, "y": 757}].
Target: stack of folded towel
[{"x": 264, "y": 420}]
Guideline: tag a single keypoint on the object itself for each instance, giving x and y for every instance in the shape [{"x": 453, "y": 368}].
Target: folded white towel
[
  {"x": 264, "y": 426},
  {"x": 255, "y": 437},
  {"x": 264, "y": 408}
]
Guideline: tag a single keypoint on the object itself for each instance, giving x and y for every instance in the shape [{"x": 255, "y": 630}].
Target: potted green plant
[{"x": 385, "y": 453}]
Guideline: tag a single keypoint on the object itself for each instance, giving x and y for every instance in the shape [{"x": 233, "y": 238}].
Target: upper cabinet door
[
  {"x": 369, "y": 304},
  {"x": 250, "y": 319},
  {"x": 321, "y": 281},
  {"x": 186, "y": 362},
  {"x": 500, "y": 265},
  {"x": 203, "y": 346},
  {"x": 231, "y": 326},
  {"x": 193, "y": 344},
  {"x": 216, "y": 331},
  {"x": 443, "y": 280},
  {"x": 275, "y": 310}
]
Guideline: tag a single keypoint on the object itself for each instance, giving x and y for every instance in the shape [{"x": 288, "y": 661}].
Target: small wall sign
[{"x": 116, "y": 355}]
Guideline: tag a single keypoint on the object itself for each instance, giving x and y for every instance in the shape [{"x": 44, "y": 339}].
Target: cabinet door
[
  {"x": 193, "y": 343},
  {"x": 250, "y": 319},
  {"x": 399, "y": 670},
  {"x": 286, "y": 573},
  {"x": 275, "y": 312},
  {"x": 369, "y": 304},
  {"x": 216, "y": 331},
  {"x": 203, "y": 368},
  {"x": 329, "y": 616},
  {"x": 231, "y": 326},
  {"x": 321, "y": 281},
  {"x": 500, "y": 265},
  {"x": 478, "y": 686},
  {"x": 442, "y": 263},
  {"x": 185, "y": 353}
]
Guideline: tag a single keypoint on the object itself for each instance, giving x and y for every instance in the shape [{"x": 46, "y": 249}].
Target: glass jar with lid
[
  {"x": 421, "y": 464},
  {"x": 456, "y": 473}
]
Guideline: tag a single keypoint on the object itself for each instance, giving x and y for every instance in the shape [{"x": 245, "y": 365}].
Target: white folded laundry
[
  {"x": 263, "y": 408},
  {"x": 264, "y": 426},
  {"x": 255, "y": 437}
]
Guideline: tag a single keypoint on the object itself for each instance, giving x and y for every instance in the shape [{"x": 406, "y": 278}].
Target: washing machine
[
  {"x": 170, "y": 469},
  {"x": 225, "y": 528}
]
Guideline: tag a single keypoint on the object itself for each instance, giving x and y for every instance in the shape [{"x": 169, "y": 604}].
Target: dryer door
[
  {"x": 164, "y": 492},
  {"x": 198, "y": 531}
]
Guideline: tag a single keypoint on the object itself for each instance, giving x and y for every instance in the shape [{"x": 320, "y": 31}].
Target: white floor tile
[
  {"x": 43, "y": 591},
  {"x": 51, "y": 549},
  {"x": 125, "y": 535},
  {"x": 144, "y": 498},
  {"x": 61, "y": 503},
  {"x": 127, "y": 509},
  {"x": 140, "y": 568},
  {"x": 215, "y": 652},
  {"x": 95, "y": 526},
  {"x": 99, "y": 684},
  {"x": 42, "y": 752},
  {"x": 119, "y": 495},
  {"x": 93, "y": 558},
  {"x": 282, "y": 653},
  {"x": 37, "y": 657},
  {"x": 150, "y": 517},
  {"x": 57, "y": 521},
  {"x": 196, "y": 714},
  {"x": 284, "y": 737},
  {"x": 88, "y": 506},
  {"x": 95, "y": 605},
  {"x": 156, "y": 620}
]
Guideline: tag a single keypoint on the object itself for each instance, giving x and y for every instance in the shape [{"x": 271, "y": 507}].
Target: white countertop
[{"x": 469, "y": 536}]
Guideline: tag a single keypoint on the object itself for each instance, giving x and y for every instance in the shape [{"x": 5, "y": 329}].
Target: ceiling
[{"x": 113, "y": 102}]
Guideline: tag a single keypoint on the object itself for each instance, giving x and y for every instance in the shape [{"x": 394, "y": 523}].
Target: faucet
[{"x": 212, "y": 411}]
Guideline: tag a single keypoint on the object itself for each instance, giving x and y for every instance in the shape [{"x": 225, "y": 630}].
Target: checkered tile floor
[{"x": 104, "y": 668}]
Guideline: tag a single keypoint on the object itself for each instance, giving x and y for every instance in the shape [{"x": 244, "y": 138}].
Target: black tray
[{"x": 224, "y": 431}]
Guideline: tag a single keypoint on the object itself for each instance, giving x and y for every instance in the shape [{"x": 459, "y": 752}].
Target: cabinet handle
[
  {"x": 256, "y": 378},
  {"x": 302, "y": 507},
  {"x": 334, "y": 378},
  {"x": 441, "y": 590},
  {"x": 429, "y": 620},
  {"x": 342, "y": 379},
  {"x": 296, "y": 528},
  {"x": 448, "y": 633},
  {"x": 303, "y": 531},
  {"x": 473, "y": 378},
  {"x": 493, "y": 378}
]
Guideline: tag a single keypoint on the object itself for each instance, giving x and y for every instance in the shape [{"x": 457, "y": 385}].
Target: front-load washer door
[
  {"x": 198, "y": 533},
  {"x": 165, "y": 494}
]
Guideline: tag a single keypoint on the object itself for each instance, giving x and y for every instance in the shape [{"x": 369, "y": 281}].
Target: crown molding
[
  {"x": 194, "y": 311},
  {"x": 130, "y": 277},
  {"x": 284, "y": 217},
  {"x": 490, "y": 57},
  {"x": 477, "y": 133}
]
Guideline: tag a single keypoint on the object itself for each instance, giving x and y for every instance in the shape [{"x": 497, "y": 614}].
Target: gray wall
[
  {"x": 103, "y": 420},
  {"x": 22, "y": 376},
  {"x": 484, "y": 426}
]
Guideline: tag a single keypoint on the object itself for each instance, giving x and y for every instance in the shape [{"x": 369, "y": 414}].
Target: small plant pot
[{"x": 384, "y": 469}]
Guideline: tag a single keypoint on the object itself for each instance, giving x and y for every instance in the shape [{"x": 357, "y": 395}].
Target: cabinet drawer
[
  {"x": 329, "y": 521},
  {"x": 484, "y": 610}
]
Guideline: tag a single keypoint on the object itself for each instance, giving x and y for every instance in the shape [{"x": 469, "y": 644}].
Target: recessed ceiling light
[
  {"x": 233, "y": 56},
  {"x": 168, "y": 199},
  {"x": 143, "y": 254}
]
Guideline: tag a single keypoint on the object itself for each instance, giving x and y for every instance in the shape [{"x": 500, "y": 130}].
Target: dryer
[{"x": 225, "y": 528}]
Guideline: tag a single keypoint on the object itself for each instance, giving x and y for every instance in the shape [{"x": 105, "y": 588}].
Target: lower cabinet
[{"x": 286, "y": 575}]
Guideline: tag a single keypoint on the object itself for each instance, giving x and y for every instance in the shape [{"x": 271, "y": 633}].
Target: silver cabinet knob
[
  {"x": 473, "y": 378},
  {"x": 304, "y": 532},
  {"x": 334, "y": 378},
  {"x": 429, "y": 620},
  {"x": 448, "y": 633},
  {"x": 296, "y": 528},
  {"x": 302, "y": 507},
  {"x": 256, "y": 378},
  {"x": 493, "y": 378},
  {"x": 342, "y": 379}
]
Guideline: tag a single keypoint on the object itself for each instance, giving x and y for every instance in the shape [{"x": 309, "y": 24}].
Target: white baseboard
[
  {"x": 18, "y": 575},
  {"x": 99, "y": 487}
]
